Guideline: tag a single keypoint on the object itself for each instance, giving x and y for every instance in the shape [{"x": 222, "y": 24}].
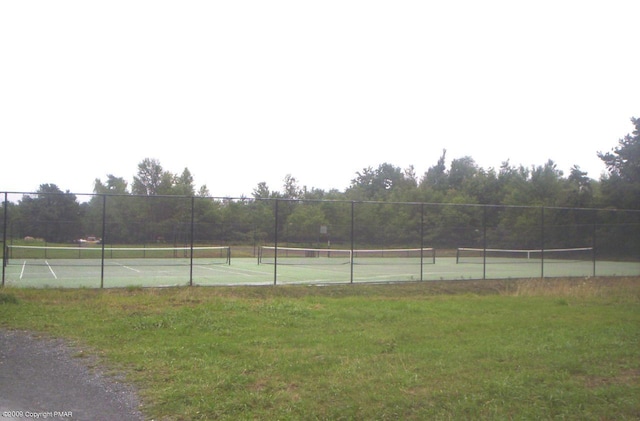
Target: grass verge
[{"x": 531, "y": 349}]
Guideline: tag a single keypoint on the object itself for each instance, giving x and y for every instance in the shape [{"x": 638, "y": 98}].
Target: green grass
[{"x": 536, "y": 349}]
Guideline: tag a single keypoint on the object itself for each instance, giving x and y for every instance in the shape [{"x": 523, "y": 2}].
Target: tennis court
[
  {"x": 217, "y": 266},
  {"x": 135, "y": 240}
]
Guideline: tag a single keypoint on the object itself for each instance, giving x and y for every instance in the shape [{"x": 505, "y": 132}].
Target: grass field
[{"x": 510, "y": 349}]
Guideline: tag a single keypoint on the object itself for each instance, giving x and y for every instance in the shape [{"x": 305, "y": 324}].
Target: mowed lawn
[{"x": 516, "y": 349}]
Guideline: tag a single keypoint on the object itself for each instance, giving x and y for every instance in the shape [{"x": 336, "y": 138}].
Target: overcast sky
[{"x": 242, "y": 92}]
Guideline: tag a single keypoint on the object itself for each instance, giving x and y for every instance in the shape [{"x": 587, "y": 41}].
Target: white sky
[{"x": 247, "y": 91}]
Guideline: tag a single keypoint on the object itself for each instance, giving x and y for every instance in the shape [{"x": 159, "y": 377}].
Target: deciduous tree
[{"x": 621, "y": 187}]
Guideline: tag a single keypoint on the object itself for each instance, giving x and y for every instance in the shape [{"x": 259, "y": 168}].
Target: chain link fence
[{"x": 209, "y": 240}]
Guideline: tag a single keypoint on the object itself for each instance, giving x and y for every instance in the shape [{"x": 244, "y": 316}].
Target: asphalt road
[{"x": 44, "y": 378}]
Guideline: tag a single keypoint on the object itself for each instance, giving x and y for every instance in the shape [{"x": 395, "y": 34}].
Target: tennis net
[
  {"x": 82, "y": 255},
  {"x": 478, "y": 255},
  {"x": 316, "y": 256}
]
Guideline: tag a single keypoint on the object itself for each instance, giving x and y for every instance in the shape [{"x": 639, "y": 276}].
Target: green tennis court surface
[{"x": 88, "y": 273}]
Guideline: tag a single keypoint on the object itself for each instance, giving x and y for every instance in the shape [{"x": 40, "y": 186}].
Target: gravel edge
[{"x": 49, "y": 378}]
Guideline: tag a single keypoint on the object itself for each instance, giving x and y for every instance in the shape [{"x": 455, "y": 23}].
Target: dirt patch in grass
[{"x": 625, "y": 377}]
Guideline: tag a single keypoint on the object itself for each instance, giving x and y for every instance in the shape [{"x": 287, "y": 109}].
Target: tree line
[
  {"x": 462, "y": 182},
  {"x": 162, "y": 206}
]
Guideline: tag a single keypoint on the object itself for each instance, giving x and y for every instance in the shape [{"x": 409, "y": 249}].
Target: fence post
[
  {"x": 484, "y": 242},
  {"x": 352, "y": 241},
  {"x": 593, "y": 240},
  {"x": 275, "y": 249},
  {"x": 193, "y": 199},
  {"x": 4, "y": 236},
  {"x": 542, "y": 242},
  {"x": 422, "y": 241},
  {"x": 103, "y": 240}
]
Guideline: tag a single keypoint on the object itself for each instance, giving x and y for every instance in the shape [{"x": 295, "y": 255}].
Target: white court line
[
  {"x": 51, "y": 270},
  {"x": 364, "y": 278},
  {"x": 24, "y": 264},
  {"x": 232, "y": 271},
  {"x": 130, "y": 268},
  {"x": 125, "y": 267}
]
